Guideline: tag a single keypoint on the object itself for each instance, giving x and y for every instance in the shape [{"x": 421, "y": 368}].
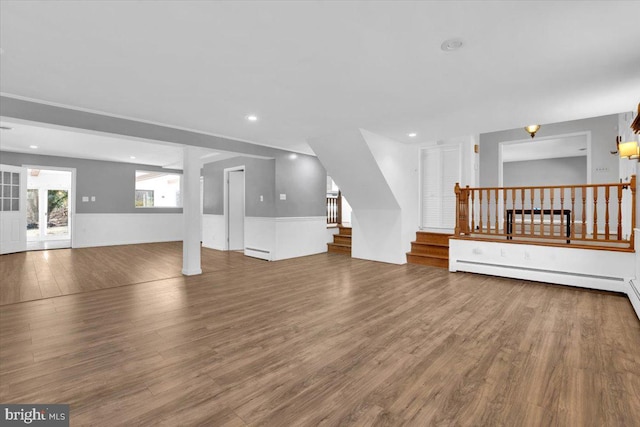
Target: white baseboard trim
[{"x": 126, "y": 229}]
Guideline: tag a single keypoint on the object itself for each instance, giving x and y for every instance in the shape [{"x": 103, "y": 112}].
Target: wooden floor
[
  {"x": 319, "y": 340},
  {"x": 35, "y": 275}
]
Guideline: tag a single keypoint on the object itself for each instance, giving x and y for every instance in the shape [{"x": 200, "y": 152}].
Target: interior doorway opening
[
  {"x": 49, "y": 208},
  {"x": 235, "y": 208}
]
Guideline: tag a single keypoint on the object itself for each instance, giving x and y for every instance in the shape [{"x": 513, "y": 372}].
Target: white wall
[
  {"x": 213, "y": 232},
  {"x": 399, "y": 164},
  {"x": 588, "y": 268},
  {"x": 124, "y": 229}
]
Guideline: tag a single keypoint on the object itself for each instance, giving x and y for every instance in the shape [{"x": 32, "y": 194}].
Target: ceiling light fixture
[
  {"x": 451, "y": 44},
  {"x": 33, "y": 147},
  {"x": 132, "y": 157},
  {"x": 251, "y": 118},
  {"x": 532, "y": 129},
  {"x": 412, "y": 135}
]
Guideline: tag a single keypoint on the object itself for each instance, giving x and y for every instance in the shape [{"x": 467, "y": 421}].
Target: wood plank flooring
[
  {"x": 35, "y": 275},
  {"x": 319, "y": 340}
]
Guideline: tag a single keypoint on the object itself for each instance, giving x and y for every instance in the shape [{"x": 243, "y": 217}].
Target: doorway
[
  {"x": 235, "y": 208},
  {"x": 49, "y": 208}
]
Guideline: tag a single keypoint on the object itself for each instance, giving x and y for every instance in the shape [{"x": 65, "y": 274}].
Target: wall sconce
[
  {"x": 628, "y": 150},
  {"x": 532, "y": 129},
  {"x": 635, "y": 126}
]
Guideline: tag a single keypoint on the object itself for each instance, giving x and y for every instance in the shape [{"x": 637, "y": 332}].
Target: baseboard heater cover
[
  {"x": 514, "y": 267},
  {"x": 258, "y": 253}
]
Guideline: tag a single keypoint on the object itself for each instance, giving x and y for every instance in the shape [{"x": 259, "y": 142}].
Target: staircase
[
  {"x": 341, "y": 241},
  {"x": 430, "y": 249}
]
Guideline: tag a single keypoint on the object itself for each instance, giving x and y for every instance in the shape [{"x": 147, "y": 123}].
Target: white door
[
  {"x": 440, "y": 171},
  {"x": 13, "y": 214},
  {"x": 235, "y": 217}
]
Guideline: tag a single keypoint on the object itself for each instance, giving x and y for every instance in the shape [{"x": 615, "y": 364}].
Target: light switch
[
  {"x": 93, "y": 198},
  {"x": 85, "y": 198},
  {"x": 283, "y": 197},
  {"x": 261, "y": 198}
]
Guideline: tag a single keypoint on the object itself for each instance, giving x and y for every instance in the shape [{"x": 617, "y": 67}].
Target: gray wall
[
  {"x": 603, "y": 136},
  {"x": 562, "y": 171},
  {"x": 302, "y": 178},
  {"x": 259, "y": 179},
  {"x": 113, "y": 184}
]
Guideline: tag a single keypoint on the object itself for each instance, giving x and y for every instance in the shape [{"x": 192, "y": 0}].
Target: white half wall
[
  {"x": 125, "y": 229},
  {"x": 213, "y": 232},
  {"x": 260, "y": 237},
  {"x": 300, "y": 236},
  {"x": 586, "y": 268},
  {"x": 284, "y": 237}
]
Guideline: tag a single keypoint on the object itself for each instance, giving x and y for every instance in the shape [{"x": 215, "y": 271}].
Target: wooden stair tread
[
  {"x": 428, "y": 255},
  {"x": 442, "y": 245},
  {"x": 339, "y": 244}
]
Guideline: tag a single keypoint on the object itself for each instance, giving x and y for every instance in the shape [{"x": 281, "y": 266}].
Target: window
[
  {"x": 158, "y": 190},
  {"x": 10, "y": 195}
]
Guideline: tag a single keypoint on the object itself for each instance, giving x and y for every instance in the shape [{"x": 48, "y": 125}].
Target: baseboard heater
[{"x": 258, "y": 253}]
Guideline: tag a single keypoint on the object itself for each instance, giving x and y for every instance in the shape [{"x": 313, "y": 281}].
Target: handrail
[{"x": 559, "y": 213}]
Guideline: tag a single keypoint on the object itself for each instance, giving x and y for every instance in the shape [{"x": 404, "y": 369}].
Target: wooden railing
[
  {"x": 334, "y": 209},
  {"x": 591, "y": 214}
]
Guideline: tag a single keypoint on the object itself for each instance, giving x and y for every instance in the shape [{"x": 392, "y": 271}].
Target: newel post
[
  {"x": 456, "y": 189},
  {"x": 339, "y": 208},
  {"x": 633, "y": 209}
]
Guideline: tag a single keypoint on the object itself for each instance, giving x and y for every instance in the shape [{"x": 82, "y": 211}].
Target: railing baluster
[
  {"x": 584, "y": 212},
  {"x": 606, "y": 213},
  {"x": 573, "y": 212},
  {"x": 619, "y": 212},
  {"x": 532, "y": 191},
  {"x": 497, "y": 228},
  {"x": 595, "y": 213},
  {"x": 504, "y": 211},
  {"x": 633, "y": 210},
  {"x": 513, "y": 211},
  {"x": 541, "y": 211},
  {"x": 522, "y": 229},
  {"x": 488, "y": 211},
  {"x": 473, "y": 211},
  {"x": 480, "y": 209},
  {"x": 552, "y": 224}
]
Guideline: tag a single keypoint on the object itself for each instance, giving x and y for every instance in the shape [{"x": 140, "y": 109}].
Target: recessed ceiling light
[
  {"x": 33, "y": 146},
  {"x": 251, "y": 117},
  {"x": 412, "y": 135},
  {"x": 451, "y": 45},
  {"x": 132, "y": 157}
]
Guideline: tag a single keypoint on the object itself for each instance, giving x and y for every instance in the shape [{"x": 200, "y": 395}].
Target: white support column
[{"x": 191, "y": 212}]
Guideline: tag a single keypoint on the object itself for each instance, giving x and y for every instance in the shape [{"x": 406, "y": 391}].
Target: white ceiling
[
  {"x": 72, "y": 143},
  {"x": 318, "y": 67},
  {"x": 549, "y": 148}
]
